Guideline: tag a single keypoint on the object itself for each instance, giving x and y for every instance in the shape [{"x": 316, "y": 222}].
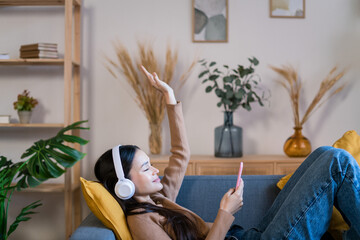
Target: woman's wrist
[{"x": 170, "y": 97}]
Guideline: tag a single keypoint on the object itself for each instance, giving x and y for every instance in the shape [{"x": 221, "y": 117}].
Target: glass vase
[
  {"x": 297, "y": 145},
  {"x": 155, "y": 138},
  {"x": 228, "y": 138}
]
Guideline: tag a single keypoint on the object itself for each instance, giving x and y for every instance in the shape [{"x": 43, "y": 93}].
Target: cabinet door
[
  {"x": 232, "y": 168},
  {"x": 286, "y": 168}
]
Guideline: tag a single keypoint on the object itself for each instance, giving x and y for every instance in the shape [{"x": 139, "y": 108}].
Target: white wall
[{"x": 328, "y": 36}]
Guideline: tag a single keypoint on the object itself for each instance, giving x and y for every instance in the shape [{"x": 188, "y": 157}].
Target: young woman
[{"x": 302, "y": 210}]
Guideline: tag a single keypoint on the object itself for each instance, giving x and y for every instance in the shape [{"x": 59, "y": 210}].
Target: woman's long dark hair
[{"x": 181, "y": 225}]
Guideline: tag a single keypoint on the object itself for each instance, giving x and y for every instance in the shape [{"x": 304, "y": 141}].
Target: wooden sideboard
[{"x": 253, "y": 164}]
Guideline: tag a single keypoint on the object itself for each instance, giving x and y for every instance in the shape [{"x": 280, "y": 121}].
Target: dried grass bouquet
[
  {"x": 127, "y": 68},
  {"x": 292, "y": 83}
]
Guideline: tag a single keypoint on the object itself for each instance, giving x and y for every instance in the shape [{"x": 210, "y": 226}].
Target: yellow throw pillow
[
  {"x": 350, "y": 142},
  {"x": 105, "y": 208}
]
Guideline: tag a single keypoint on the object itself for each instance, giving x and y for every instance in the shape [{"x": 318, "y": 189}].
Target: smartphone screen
[{"x": 239, "y": 175}]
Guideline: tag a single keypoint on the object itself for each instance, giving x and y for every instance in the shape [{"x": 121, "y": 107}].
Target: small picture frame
[
  {"x": 287, "y": 8},
  {"x": 210, "y": 21}
]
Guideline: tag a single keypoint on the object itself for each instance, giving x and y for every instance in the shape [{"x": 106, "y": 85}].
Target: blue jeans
[{"x": 302, "y": 210}]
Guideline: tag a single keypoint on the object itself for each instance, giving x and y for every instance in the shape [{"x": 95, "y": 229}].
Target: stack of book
[{"x": 39, "y": 50}]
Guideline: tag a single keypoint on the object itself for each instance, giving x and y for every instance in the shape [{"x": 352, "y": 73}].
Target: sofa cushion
[
  {"x": 106, "y": 208},
  {"x": 202, "y": 195}
]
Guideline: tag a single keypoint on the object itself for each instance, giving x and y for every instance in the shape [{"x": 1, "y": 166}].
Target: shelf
[
  {"x": 34, "y": 61},
  {"x": 32, "y": 125},
  {"x": 49, "y": 188},
  {"x": 36, "y": 2}
]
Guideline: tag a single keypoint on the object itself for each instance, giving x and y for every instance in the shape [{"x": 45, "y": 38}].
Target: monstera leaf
[
  {"x": 50, "y": 158},
  {"x": 44, "y": 159}
]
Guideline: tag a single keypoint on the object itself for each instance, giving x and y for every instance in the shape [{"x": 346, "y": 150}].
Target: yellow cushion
[
  {"x": 105, "y": 208},
  {"x": 350, "y": 142}
]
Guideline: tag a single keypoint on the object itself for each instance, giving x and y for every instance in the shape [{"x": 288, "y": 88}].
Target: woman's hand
[
  {"x": 164, "y": 88},
  {"x": 232, "y": 201}
]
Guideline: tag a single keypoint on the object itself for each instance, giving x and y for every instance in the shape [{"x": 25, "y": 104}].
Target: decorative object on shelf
[
  {"x": 24, "y": 106},
  {"x": 45, "y": 159},
  {"x": 4, "y": 56},
  {"x": 210, "y": 21},
  {"x": 39, "y": 50},
  {"x": 5, "y": 118},
  {"x": 228, "y": 138},
  {"x": 239, "y": 87},
  {"x": 297, "y": 145},
  {"x": 287, "y": 8},
  {"x": 147, "y": 97}
]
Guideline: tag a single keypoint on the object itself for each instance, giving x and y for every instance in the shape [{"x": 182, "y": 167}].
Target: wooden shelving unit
[{"x": 72, "y": 107}]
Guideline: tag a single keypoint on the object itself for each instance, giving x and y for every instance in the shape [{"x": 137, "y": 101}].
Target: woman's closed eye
[{"x": 147, "y": 168}]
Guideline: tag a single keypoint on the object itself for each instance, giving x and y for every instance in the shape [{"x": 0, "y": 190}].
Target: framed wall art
[
  {"x": 287, "y": 8},
  {"x": 210, "y": 21}
]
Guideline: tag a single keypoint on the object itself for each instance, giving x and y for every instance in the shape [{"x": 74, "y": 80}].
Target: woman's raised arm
[{"x": 180, "y": 151}]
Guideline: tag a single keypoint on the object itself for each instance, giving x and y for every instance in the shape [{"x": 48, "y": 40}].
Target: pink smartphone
[{"x": 239, "y": 175}]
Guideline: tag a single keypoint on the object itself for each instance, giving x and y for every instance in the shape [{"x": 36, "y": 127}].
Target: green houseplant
[
  {"x": 237, "y": 87},
  {"x": 45, "y": 159},
  {"x": 24, "y": 106}
]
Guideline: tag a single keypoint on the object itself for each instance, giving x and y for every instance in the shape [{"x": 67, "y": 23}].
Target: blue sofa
[{"x": 202, "y": 195}]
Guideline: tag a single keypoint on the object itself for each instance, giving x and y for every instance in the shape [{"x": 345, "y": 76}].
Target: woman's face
[{"x": 144, "y": 176}]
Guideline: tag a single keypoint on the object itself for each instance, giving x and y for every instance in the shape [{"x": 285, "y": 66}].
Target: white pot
[{"x": 24, "y": 116}]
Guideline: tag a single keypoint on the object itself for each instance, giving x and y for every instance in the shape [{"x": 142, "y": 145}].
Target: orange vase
[{"x": 297, "y": 145}]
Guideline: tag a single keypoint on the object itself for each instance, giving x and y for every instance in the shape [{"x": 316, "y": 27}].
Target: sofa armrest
[{"x": 91, "y": 228}]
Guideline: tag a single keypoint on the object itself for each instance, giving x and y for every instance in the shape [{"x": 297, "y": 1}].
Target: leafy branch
[{"x": 239, "y": 86}]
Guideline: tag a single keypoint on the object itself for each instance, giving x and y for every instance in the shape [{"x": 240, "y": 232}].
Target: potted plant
[
  {"x": 44, "y": 159},
  {"x": 24, "y": 105},
  {"x": 238, "y": 87}
]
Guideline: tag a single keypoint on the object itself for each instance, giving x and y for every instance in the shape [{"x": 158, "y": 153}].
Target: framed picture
[
  {"x": 287, "y": 8},
  {"x": 210, "y": 21}
]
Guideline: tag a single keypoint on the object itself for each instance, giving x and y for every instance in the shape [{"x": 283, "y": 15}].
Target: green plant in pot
[
  {"x": 45, "y": 159},
  {"x": 24, "y": 106},
  {"x": 237, "y": 87}
]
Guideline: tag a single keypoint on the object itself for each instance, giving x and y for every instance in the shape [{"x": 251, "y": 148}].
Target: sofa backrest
[{"x": 202, "y": 195}]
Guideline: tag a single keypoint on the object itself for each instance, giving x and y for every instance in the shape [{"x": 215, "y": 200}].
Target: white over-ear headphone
[{"x": 124, "y": 188}]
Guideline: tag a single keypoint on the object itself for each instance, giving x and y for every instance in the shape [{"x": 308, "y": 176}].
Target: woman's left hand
[{"x": 163, "y": 87}]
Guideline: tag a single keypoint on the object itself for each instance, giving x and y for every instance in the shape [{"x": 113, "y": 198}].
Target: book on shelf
[
  {"x": 39, "y": 46},
  {"x": 37, "y": 52},
  {"x": 4, "y": 118},
  {"x": 4, "y": 56},
  {"x": 40, "y": 55}
]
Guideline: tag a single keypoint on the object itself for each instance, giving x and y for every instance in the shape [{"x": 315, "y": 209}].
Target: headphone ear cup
[{"x": 124, "y": 189}]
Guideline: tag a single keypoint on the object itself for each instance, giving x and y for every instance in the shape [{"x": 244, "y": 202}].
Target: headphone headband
[{"x": 117, "y": 162}]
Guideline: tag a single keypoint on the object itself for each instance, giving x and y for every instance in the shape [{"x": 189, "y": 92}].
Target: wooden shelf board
[
  {"x": 32, "y": 125},
  {"x": 49, "y": 188},
  {"x": 34, "y": 61},
  {"x": 36, "y": 2}
]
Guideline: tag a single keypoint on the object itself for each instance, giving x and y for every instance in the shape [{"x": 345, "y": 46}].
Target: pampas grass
[
  {"x": 292, "y": 83},
  {"x": 127, "y": 68}
]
